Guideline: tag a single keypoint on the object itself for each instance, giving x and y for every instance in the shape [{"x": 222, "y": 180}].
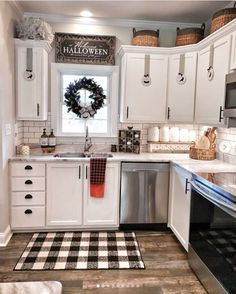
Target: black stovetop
[{"x": 221, "y": 182}]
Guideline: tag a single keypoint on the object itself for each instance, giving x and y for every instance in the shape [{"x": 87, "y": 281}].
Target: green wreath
[{"x": 72, "y": 97}]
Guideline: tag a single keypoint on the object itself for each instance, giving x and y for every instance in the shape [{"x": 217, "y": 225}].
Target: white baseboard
[{"x": 5, "y": 237}]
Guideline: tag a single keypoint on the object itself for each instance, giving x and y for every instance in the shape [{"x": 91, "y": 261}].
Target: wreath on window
[{"x": 72, "y": 98}]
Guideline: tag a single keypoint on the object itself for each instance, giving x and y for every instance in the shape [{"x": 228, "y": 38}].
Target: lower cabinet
[
  {"x": 179, "y": 204},
  {"x": 64, "y": 194},
  {"x": 103, "y": 211},
  {"x": 69, "y": 203}
]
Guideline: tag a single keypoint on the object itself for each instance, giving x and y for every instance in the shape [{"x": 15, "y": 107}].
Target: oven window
[
  {"x": 213, "y": 237},
  {"x": 230, "y": 101}
]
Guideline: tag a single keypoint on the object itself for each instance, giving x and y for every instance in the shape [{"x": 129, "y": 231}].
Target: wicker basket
[
  {"x": 222, "y": 17},
  {"x": 202, "y": 154},
  {"x": 189, "y": 36},
  {"x": 145, "y": 38}
]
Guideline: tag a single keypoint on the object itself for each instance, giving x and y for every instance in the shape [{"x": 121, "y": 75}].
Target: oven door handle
[{"x": 211, "y": 199}]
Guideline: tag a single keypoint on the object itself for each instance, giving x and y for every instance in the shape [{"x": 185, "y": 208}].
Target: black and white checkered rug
[{"x": 81, "y": 250}]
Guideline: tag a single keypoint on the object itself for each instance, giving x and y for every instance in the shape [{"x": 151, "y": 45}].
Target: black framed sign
[{"x": 86, "y": 49}]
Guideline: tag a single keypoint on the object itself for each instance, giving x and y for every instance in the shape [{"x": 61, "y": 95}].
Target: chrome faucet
[{"x": 88, "y": 142}]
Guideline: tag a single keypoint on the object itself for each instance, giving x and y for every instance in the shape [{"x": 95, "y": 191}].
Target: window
[{"x": 104, "y": 123}]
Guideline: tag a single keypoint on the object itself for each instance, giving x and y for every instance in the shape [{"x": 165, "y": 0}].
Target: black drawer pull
[
  {"x": 28, "y": 182},
  {"x": 28, "y": 211},
  {"x": 28, "y": 167},
  {"x": 28, "y": 196}
]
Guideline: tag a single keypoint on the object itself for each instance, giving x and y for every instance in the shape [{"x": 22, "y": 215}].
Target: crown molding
[
  {"x": 147, "y": 24},
  {"x": 17, "y": 7}
]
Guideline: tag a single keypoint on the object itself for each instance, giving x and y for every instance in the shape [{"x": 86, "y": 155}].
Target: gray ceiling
[{"x": 171, "y": 11}]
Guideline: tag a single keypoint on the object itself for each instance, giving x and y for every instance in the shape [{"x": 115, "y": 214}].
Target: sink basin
[
  {"x": 82, "y": 155},
  {"x": 70, "y": 155}
]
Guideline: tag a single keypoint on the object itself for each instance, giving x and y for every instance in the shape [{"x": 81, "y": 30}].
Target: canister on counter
[
  {"x": 165, "y": 134},
  {"x": 153, "y": 134}
]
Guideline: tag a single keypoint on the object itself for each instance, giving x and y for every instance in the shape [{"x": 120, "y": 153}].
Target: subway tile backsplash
[{"x": 29, "y": 132}]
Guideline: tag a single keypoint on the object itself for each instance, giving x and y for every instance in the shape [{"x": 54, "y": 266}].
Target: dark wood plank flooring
[{"x": 167, "y": 270}]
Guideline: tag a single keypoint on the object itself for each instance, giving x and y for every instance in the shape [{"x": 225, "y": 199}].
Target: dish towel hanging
[{"x": 97, "y": 176}]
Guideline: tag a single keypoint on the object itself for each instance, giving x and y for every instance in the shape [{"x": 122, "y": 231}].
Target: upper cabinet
[
  {"x": 181, "y": 87},
  {"x": 143, "y": 87},
  {"x": 213, "y": 65},
  {"x": 233, "y": 52},
  {"x": 32, "y": 79}
]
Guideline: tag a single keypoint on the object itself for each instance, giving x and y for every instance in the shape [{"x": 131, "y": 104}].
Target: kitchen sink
[
  {"x": 82, "y": 155},
  {"x": 70, "y": 155}
]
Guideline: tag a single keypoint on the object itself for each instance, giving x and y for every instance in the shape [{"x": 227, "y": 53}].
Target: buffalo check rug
[{"x": 81, "y": 250}]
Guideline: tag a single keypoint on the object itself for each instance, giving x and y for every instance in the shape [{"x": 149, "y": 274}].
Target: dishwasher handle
[{"x": 145, "y": 170}]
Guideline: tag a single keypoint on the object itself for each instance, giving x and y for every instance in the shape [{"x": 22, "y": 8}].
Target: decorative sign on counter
[{"x": 86, "y": 49}]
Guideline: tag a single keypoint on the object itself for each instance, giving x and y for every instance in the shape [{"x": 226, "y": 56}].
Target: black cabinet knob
[
  {"x": 28, "y": 196},
  {"x": 28, "y": 182},
  {"x": 28, "y": 211},
  {"x": 28, "y": 167}
]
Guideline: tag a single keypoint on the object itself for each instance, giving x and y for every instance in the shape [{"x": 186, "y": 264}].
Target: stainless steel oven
[
  {"x": 212, "y": 248},
  {"x": 230, "y": 96}
]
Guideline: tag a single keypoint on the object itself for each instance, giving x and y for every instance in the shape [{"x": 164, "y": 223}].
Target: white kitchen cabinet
[
  {"x": 64, "y": 194},
  {"x": 32, "y": 79},
  {"x": 104, "y": 211},
  {"x": 233, "y": 52},
  {"x": 210, "y": 94},
  {"x": 27, "y": 195},
  {"x": 181, "y": 95},
  {"x": 141, "y": 102},
  {"x": 179, "y": 204}
]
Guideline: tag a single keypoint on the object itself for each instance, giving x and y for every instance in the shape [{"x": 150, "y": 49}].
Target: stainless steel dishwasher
[{"x": 144, "y": 193}]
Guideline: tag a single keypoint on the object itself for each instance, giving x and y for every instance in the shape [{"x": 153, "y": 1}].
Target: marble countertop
[
  {"x": 183, "y": 160},
  {"x": 45, "y": 287}
]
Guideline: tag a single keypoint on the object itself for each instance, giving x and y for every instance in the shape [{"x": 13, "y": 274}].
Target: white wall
[{"x": 8, "y": 15}]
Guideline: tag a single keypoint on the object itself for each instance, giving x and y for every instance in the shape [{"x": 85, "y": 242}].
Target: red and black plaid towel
[{"x": 97, "y": 176}]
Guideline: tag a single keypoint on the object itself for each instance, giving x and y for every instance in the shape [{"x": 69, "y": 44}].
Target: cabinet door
[
  {"x": 64, "y": 194},
  {"x": 103, "y": 212},
  {"x": 210, "y": 94},
  {"x": 144, "y": 103},
  {"x": 179, "y": 204},
  {"x": 181, "y": 95},
  {"x": 32, "y": 95},
  {"x": 233, "y": 52}
]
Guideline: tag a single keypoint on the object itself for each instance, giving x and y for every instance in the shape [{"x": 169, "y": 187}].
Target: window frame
[{"x": 59, "y": 69}]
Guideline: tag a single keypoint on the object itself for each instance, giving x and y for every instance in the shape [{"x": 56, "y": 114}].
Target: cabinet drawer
[
  {"x": 27, "y": 217},
  {"x": 28, "y": 198},
  {"x": 28, "y": 184},
  {"x": 19, "y": 169}
]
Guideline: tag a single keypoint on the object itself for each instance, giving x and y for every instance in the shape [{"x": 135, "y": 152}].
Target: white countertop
[{"x": 183, "y": 160}]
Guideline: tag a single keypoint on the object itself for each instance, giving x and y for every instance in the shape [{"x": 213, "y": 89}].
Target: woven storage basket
[
  {"x": 222, "y": 17},
  {"x": 202, "y": 154},
  {"x": 145, "y": 38},
  {"x": 189, "y": 36}
]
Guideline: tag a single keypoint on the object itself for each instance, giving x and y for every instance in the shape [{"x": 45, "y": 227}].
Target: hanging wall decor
[
  {"x": 181, "y": 78},
  {"x": 73, "y": 98},
  {"x": 86, "y": 49}
]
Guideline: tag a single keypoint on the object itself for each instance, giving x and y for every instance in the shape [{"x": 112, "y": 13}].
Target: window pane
[
  {"x": 73, "y": 124},
  {"x": 70, "y": 122},
  {"x": 97, "y": 126}
]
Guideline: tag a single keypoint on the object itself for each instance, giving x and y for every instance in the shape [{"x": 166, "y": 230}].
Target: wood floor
[{"x": 167, "y": 270}]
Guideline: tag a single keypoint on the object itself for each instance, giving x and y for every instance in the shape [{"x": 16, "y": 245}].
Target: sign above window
[{"x": 86, "y": 49}]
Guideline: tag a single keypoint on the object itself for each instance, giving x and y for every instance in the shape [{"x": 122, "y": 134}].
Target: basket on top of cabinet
[
  {"x": 145, "y": 38},
  {"x": 189, "y": 36},
  {"x": 222, "y": 17}
]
